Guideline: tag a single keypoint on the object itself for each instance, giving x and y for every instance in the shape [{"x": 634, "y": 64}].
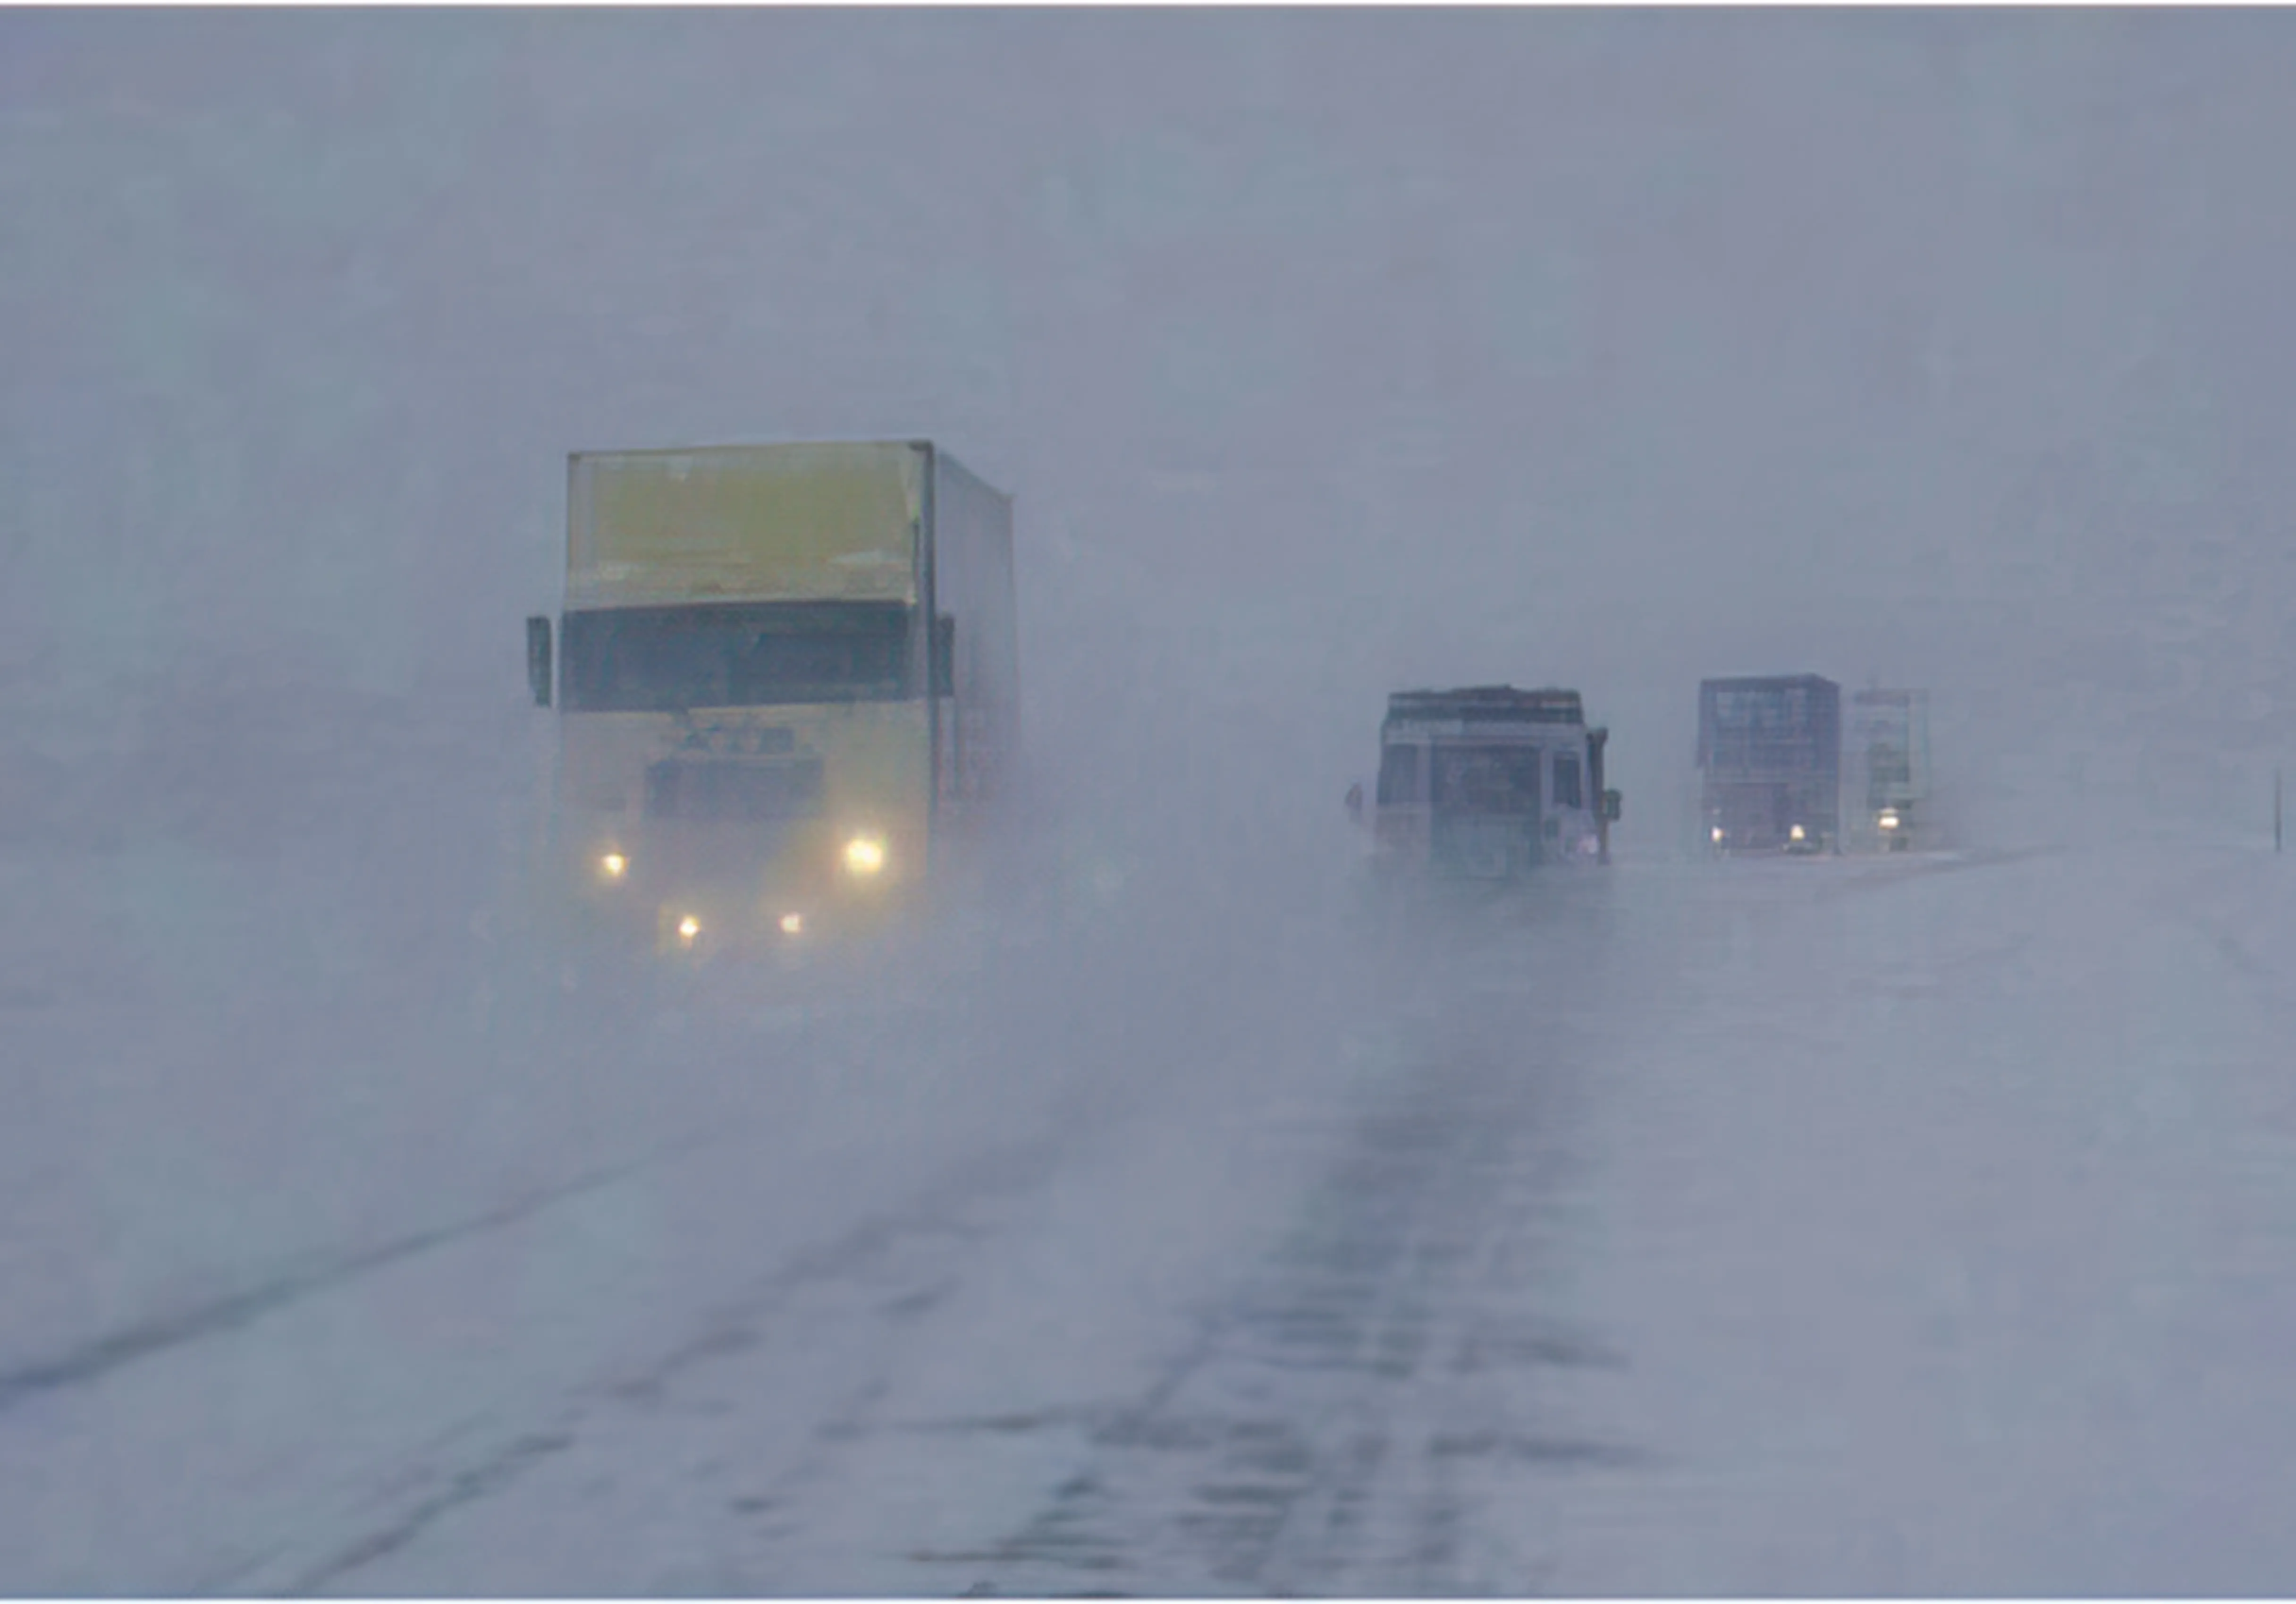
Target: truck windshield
[
  {"x": 1486, "y": 779},
  {"x": 737, "y": 654}
]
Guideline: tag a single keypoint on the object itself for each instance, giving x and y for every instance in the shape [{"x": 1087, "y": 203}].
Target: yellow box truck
[{"x": 785, "y": 679}]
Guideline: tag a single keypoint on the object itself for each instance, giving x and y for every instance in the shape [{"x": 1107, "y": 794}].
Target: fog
[{"x": 1326, "y": 353}]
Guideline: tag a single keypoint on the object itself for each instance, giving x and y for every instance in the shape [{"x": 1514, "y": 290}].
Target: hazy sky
[{"x": 1327, "y": 352}]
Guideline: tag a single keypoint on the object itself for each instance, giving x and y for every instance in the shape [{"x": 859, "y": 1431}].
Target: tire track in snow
[
  {"x": 1323, "y": 1427},
  {"x": 935, "y": 1211},
  {"x": 96, "y": 1359}
]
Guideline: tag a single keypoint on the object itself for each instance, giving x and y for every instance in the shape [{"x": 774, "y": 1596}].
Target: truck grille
[{"x": 702, "y": 789}]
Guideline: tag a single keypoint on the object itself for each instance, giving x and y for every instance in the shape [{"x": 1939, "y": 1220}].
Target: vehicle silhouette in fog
[
  {"x": 1489, "y": 784},
  {"x": 1886, "y": 772},
  {"x": 1770, "y": 761}
]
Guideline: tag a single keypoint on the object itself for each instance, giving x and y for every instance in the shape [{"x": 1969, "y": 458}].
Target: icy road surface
[{"x": 1838, "y": 1227}]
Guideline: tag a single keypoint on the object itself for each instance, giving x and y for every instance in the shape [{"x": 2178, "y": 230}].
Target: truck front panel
[{"x": 727, "y": 828}]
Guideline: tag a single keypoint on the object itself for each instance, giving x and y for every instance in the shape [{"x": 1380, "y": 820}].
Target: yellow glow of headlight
[
  {"x": 864, "y": 855},
  {"x": 1797, "y": 833},
  {"x": 792, "y": 924},
  {"x": 613, "y": 865},
  {"x": 688, "y": 928}
]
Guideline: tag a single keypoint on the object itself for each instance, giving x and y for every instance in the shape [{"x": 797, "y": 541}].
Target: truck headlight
[
  {"x": 688, "y": 929},
  {"x": 1716, "y": 834},
  {"x": 613, "y": 865},
  {"x": 792, "y": 924},
  {"x": 1797, "y": 833},
  {"x": 1888, "y": 820},
  {"x": 864, "y": 855}
]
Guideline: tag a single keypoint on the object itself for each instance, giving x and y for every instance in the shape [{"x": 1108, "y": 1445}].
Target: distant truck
[
  {"x": 786, "y": 678},
  {"x": 1490, "y": 783},
  {"x": 1886, "y": 772},
  {"x": 1770, "y": 761}
]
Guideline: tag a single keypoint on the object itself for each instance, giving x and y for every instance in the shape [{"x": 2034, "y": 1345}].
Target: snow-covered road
[{"x": 1840, "y": 1227}]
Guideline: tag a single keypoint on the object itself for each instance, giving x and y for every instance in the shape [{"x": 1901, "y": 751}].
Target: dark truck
[
  {"x": 1490, "y": 783},
  {"x": 1770, "y": 758}
]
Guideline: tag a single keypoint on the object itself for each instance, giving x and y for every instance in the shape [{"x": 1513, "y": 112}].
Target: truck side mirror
[
  {"x": 1611, "y": 802},
  {"x": 537, "y": 660}
]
